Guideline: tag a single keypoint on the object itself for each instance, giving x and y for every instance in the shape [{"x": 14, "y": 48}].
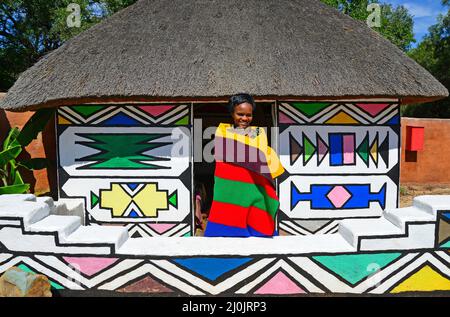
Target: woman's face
[{"x": 242, "y": 115}]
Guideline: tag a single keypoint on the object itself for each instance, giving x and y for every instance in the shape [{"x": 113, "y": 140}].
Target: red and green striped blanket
[{"x": 245, "y": 202}]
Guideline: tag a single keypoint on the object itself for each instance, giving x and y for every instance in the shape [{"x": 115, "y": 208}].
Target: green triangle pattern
[
  {"x": 363, "y": 150},
  {"x": 354, "y": 267},
  {"x": 87, "y": 111},
  {"x": 310, "y": 109},
  {"x": 183, "y": 121},
  {"x": 308, "y": 148},
  {"x": 173, "y": 199},
  {"x": 25, "y": 268},
  {"x": 445, "y": 245},
  {"x": 187, "y": 234},
  {"x": 94, "y": 200}
]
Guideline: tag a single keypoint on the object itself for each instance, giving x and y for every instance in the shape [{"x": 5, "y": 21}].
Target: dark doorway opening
[{"x": 211, "y": 115}]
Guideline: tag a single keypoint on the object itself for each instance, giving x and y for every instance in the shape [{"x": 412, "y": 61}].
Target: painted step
[
  {"x": 215, "y": 246},
  {"x": 98, "y": 235},
  {"x": 15, "y": 198},
  {"x": 432, "y": 203},
  {"x": 401, "y": 216},
  {"x": 70, "y": 207},
  {"x": 48, "y": 200},
  {"x": 29, "y": 212},
  {"x": 354, "y": 229},
  {"x": 64, "y": 225}
]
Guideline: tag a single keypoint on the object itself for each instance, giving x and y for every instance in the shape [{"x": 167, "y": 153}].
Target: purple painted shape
[
  {"x": 373, "y": 108},
  {"x": 161, "y": 227},
  {"x": 339, "y": 196},
  {"x": 89, "y": 265},
  {"x": 282, "y": 118},
  {"x": 156, "y": 111},
  {"x": 322, "y": 149},
  {"x": 280, "y": 284},
  {"x": 349, "y": 148}
]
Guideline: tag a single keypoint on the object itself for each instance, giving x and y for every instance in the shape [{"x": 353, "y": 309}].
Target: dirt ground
[{"x": 409, "y": 191}]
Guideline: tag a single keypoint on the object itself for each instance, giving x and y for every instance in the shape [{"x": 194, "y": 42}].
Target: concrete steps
[
  {"x": 28, "y": 212},
  {"x": 37, "y": 215},
  {"x": 63, "y": 225},
  {"x": 101, "y": 235},
  {"x": 403, "y": 216},
  {"x": 402, "y": 228}
]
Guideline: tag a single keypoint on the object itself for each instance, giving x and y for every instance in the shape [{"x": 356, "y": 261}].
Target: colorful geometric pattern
[
  {"x": 135, "y": 200},
  {"x": 131, "y": 163},
  {"x": 365, "y": 273},
  {"x": 335, "y": 197},
  {"x": 116, "y": 151},
  {"x": 338, "y": 149},
  {"x": 356, "y": 144},
  {"x": 339, "y": 113},
  {"x": 339, "y": 196},
  {"x": 149, "y": 200},
  {"x": 134, "y": 115},
  {"x": 114, "y": 155},
  {"x": 145, "y": 230},
  {"x": 443, "y": 229},
  {"x": 307, "y": 227}
]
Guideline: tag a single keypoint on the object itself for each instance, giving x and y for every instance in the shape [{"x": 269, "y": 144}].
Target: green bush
[{"x": 13, "y": 145}]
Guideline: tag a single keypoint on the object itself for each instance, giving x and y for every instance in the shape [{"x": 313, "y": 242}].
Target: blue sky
[{"x": 425, "y": 14}]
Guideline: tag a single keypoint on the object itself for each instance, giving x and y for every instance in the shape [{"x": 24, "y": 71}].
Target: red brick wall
[{"x": 432, "y": 165}]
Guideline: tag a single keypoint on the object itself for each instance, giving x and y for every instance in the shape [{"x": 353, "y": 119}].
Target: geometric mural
[
  {"x": 443, "y": 229},
  {"x": 116, "y": 151},
  {"x": 362, "y": 273},
  {"x": 132, "y": 200},
  {"x": 336, "y": 197},
  {"x": 130, "y": 163},
  {"x": 342, "y": 161}
]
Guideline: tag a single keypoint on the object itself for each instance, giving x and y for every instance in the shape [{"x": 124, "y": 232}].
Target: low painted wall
[{"x": 432, "y": 164}]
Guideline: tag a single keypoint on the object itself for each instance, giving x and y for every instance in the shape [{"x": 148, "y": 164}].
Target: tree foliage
[
  {"x": 29, "y": 29},
  {"x": 396, "y": 23},
  {"x": 433, "y": 53}
]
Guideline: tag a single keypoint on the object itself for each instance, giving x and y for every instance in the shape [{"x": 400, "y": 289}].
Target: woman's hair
[{"x": 238, "y": 99}]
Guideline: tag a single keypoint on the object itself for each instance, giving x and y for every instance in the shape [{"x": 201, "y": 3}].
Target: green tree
[
  {"x": 29, "y": 29},
  {"x": 433, "y": 53},
  {"x": 396, "y": 23}
]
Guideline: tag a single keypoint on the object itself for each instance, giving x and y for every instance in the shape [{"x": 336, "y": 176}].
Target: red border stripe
[{"x": 241, "y": 217}]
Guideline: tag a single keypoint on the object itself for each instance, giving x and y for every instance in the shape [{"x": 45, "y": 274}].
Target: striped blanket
[{"x": 245, "y": 201}]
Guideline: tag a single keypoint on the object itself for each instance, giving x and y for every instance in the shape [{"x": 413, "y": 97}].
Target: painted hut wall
[
  {"x": 121, "y": 160},
  {"x": 342, "y": 161}
]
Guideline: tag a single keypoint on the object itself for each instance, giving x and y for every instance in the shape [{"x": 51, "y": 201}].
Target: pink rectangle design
[{"x": 349, "y": 149}]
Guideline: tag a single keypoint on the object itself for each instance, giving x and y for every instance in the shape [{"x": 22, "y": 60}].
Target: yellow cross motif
[{"x": 149, "y": 200}]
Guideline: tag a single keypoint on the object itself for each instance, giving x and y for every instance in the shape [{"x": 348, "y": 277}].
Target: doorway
[{"x": 211, "y": 115}]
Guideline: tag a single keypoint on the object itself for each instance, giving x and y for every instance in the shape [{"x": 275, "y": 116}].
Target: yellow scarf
[{"x": 225, "y": 130}]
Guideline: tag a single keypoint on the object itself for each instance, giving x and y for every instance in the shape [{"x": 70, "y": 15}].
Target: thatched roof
[{"x": 166, "y": 49}]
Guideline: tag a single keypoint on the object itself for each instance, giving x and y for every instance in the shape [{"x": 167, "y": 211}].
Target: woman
[{"x": 245, "y": 201}]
